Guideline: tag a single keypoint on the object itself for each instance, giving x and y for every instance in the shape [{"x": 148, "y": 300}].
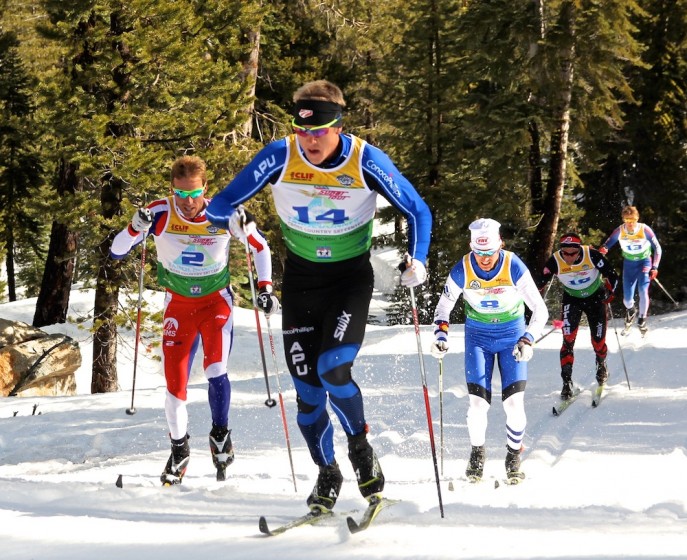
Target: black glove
[
  {"x": 609, "y": 292},
  {"x": 267, "y": 301}
]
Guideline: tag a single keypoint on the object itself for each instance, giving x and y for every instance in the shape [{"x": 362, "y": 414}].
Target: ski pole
[
  {"x": 557, "y": 324},
  {"x": 132, "y": 410},
  {"x": 675, "y": 303},
  {"x": 270, "y": 402},
  {"x": 620, "y": 348},
  {"x": 281, "y": 402},
  {"x": 423, "y": 375},
  {"x": 441, "y": 412}
]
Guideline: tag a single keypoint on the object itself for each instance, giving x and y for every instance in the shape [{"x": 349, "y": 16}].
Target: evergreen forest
[{"x": 546, "y": 115}]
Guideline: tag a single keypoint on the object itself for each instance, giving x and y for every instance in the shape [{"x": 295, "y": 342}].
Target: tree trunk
[
  {"x": 53, "y": 299},
  {"x": 535, "y": 170},
  {"x": 104, "y": 371},
  {"x": 9, "y": 267},
  {"x": 250, "y": 75},
  {"x": 545, "y": 234}
]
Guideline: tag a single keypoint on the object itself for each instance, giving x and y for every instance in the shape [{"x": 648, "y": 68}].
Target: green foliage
[
  {"x": 463, "y": 96},
  {"x": 20, "y": 168}
]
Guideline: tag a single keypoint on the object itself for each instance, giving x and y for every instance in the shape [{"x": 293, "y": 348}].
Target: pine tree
[
  {"x": 142, "y": 82},
  {"x": 20, "y": 170},
  {"x": 645, "y": 162}
]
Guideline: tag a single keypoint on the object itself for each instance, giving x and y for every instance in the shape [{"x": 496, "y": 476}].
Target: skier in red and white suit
[{"x": 193, "y": 268}]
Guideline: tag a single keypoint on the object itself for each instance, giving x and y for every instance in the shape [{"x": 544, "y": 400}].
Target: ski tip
[
  {"x": 262, "y": 525},
  {"x": 450, "y": 486},
  {"x": 554, "y": 410},
  {"x": 119, "y": 483},
  {"x": 353, "y": 526}
]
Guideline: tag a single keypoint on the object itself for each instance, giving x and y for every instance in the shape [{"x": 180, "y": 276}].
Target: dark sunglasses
[{"x": 572, "y": 253}]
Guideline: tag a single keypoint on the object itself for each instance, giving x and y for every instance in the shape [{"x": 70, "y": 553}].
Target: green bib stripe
[
  {"x": 513, "y": 313},
  {"x": 193, "y": 287},
  {"x": 328, "y": 247}
]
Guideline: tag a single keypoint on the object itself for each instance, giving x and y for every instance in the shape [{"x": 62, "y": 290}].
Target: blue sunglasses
[
  {"x": 189, "y": 194},
  {"x": 485, "y": 253}
]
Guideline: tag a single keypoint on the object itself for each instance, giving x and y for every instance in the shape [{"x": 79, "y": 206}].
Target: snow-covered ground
[{"x": 601, "y": 483}]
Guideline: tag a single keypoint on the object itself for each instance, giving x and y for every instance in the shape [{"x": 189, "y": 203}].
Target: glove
[
  {"x": 523, "y": 350},
  {"x": 413, "y": 272},
  {"x": 241, "y": 220},
  {"x": 142, "y": 220},
  {"x": 267, "y": 301},
  {"x": 440, "y": 345},
  {"x": 603, "y": 250},
  {"x": 653, "y": 273},
  {"x": 610, "y": 292},
  {"x": 557, "y": 323}
]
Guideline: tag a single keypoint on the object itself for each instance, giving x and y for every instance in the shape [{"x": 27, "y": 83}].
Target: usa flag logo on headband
[{"x": 305, "y": 113}]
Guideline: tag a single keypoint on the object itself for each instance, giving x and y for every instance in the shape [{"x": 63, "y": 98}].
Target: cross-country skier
[
  {"x": 193, "y": 268},
  {"x": 495, "y": 285},
  {"x": 325, "y": 184},
  {"x": 580, "y": 269},
  {"x": 641, "y": 257}
]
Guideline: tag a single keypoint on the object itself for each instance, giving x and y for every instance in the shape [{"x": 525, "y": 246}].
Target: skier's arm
[
  {"x": 442, "y": 312},
  {"x": 606, "y": 269},
  {"x": 382, "y": 176},
  {"x": 264, "y": 168},
  {"x": 143, "y": 221},
  {"x": 612, "y": 240},
  {"x": 242, "y": 226},
  {"x": 550, "y": 270},
  {"x": 656, "y": 246}
]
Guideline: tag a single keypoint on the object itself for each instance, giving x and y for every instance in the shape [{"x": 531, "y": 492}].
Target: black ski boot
[
  {"x": 475, "y": 468},
  {"x": 513, "y": 473},
  {"x": 601, "y": 372},
  {"x": 643, "y": 327},
  {"x": 568, "y": 389},
  {"x": 327, "y": 488},
  {"x": 221, "y": 449},
  {"x": 366, "y": 466},
  {"x": 177, "y": 462}
]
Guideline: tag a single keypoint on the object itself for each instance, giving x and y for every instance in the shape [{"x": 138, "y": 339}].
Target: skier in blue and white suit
[
  {"x": 325, "y": 184},
  {"x": 495, "y": 285}
]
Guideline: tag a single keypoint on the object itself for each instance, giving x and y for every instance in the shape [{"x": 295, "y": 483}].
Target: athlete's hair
[
  {"x": 322, "y": 90},
  {"x": 630, "y": 212},
  {"x": 188, "y": 166}
]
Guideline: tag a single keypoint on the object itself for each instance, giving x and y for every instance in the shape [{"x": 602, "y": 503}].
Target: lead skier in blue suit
[{"x": 324, "y": 185}]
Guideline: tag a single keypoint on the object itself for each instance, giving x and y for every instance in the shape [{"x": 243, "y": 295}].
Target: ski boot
[
  {"x": 177, "y": 462},
  {"x": 513, "y": 473},
  {"x": 643, "y": 327},
  {"x": 327, "y": 488},
  {"x": 567, "y": 391},
  {"x": 568, "y": 388},
  {"x": 366, "y": 466},
  {"x": 601, "y": 372},
  {"x": 475, "y": 468},
  {"x": 221, "y": 449},
  {"x": 630, "y": 315}
]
